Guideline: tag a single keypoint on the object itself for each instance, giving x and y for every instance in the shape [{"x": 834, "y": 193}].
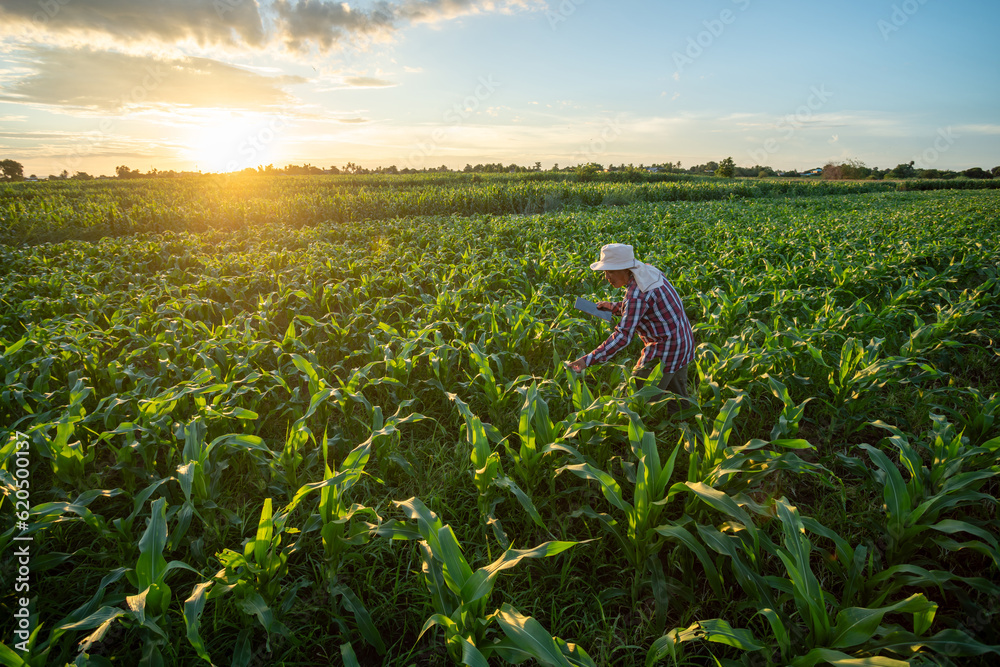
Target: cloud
[
  {"x": 367, "y": 82},
  {"x": 301, "y": 23},
  {"x": 298, "y": 24},
  {"x": 216, "y": 22},
  {"x": 114, "y": 82},
  {"x": 977, "y": 129}
]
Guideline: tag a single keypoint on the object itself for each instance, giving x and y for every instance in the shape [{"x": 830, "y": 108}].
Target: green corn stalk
[
  {"x": 914, "y": 508},
  {"x": 537, "y": 433},
  {"x": 791, "y": 414},
  {"x": 496, "y": 394},
  {"x": 859, "y": 373},
  {"x": 340, "y": 527},
  {"x": 488, "y": 474},
  {"x": 297, "y": 436},
  {"x": 826, "y": 629},
  {"x": 637, "y": 537},
  {"x": 460, "y": 596},
  {"x": 147, "y": 607}
]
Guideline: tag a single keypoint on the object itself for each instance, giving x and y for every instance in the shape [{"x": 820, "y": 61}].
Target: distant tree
[
  {"x": 977, "y": 172},
  {"x": 902, "y": 171},
  {"x": 123, "y": 171},
  {"x": 82, "y": 176},
  {"x": 726, "y": 169},
  {"x": 588, "y": 172},
  {"x": 11, "y": 170},
  {"x": 852, "y": 169},
  {"x": 832, "y": 172},
  {"x": 995, "y": 171}
]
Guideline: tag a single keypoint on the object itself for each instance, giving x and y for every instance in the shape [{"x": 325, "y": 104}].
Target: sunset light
[
  {"x": 87, "y": 85},
  {"x": 228, "y": 142},
  {"x": 577, "y": 333}
]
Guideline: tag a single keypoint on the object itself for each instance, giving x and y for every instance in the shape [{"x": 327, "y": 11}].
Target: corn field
[{"x": 305, "y": 421}]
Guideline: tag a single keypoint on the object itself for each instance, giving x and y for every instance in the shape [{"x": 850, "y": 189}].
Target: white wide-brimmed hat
[{"x": 615, "y": 256}]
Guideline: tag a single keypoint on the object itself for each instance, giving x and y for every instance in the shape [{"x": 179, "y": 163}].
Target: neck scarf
[{"x": 646, "y": 277}]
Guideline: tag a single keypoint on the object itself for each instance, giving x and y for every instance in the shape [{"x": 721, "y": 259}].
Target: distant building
[{"x": 812, "y": 172}]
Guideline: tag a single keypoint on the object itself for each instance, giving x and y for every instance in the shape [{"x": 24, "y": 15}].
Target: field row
[
  {"x": 309, "y": 441},
  {"x": 51, "y": 212}
]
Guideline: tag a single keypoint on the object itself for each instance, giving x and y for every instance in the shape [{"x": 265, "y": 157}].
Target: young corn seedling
[
  {"x": 147, "y": 608},
  {"x": 854, "y": 382},
  {"x": 714, "y": 462},
  {"x": 460, "y": 597},
  {"x": 341, "y": 527},
  {"x": 637, "y": 535},
  {"x": 821, "y": 629},
  {"x": 253, "y": 576},
  {"x": 200, "y": 472},
  {"x": 914, "y": 508},
  {"x": 496, "y": 394},
  {"x": 537, "y": 433},
  {"x": 488, "y": 474}
]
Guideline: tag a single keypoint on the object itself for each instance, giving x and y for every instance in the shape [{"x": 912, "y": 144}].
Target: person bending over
[{"x": 651, "y": 308}]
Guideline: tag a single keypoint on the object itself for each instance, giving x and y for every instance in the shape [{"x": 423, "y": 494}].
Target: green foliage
[
  {"x": 726, "y": 168},
  {"x": 223, "y": 389}
]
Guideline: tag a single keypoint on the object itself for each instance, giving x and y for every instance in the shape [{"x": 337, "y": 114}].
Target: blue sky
[{"x": 86, "y": 85}]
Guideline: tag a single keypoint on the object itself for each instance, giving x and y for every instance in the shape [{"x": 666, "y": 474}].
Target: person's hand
[
  {"x": 578, "y": 365},
  {"x": 605, "y": 305}
]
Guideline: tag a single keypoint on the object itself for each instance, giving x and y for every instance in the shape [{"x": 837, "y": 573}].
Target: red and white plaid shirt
[{"x": 661, "y": 322}]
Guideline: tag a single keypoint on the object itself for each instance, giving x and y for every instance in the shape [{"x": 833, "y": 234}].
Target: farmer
[{"x": 652, "y": 309}]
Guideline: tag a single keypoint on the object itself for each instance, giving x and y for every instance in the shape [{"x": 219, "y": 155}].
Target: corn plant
[
  {"x": 488, "y": 474},
  {"x": 496, "y": 394},
  {"x": 637, "y": 535},
  {"x": 853, "y": 383},
  {"x": 914, "y": 508},
  {"x": 716, "y": 463},
  {"x": 813, "y": 633},
  {"x": 537, "y": 434},
  {"x": 148, "y": 607},
  {"x": 341, "y": 528},
  {"x": 200, "y": 472},
  {"x": 460, "y": 597}
]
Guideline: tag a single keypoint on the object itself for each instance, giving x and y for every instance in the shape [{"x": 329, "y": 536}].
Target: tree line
[{"x": 11, "y": 170}]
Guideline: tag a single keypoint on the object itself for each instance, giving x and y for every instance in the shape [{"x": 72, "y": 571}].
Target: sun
[{"x": 226, "y": 142}]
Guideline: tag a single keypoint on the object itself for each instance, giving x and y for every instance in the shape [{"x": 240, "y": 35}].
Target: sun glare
[{"x": 230, "y": 142}]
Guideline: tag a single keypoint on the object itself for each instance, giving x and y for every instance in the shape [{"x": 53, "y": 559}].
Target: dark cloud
[
  {"x": 324, "y": 24},
  {"x": 299, "y": 24},
  {"x": 108, "y": 81},
  {"x": 206, "y": 22}
]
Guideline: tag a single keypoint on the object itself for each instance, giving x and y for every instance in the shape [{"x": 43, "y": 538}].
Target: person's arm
[
  {"x": 613, "y": 308},
  {"x": 632, "y": 309}
]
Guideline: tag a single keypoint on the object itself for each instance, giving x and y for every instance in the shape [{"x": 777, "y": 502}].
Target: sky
[{"x": 221, "y": 85}]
